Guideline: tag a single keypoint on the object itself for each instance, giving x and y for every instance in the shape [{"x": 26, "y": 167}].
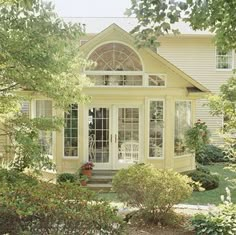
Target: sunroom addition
[{"x": 140, "y": 107}]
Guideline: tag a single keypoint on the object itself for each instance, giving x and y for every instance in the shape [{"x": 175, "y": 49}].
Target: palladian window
[{"x": 115, "y": 65}]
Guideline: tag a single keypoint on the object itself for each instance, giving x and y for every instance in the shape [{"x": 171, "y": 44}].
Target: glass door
[
  {"x": 98, "y": 136},
  {"x": 114, "y": 136},
  {"x": 128, "y": 130}
]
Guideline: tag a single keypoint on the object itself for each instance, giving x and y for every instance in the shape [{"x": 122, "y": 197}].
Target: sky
[{"x": 91, "y": 8}]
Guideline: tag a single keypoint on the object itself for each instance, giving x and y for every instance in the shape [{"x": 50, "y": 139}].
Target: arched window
[
  {"x": 115, "y": 65},
  {"x": 115, "y": 57}
]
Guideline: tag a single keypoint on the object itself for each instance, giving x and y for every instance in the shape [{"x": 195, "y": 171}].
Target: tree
[
  {"x": 224, "y": 105},
  {"x": 38, "y": 55},
  {"x": 157, "y": 17}
]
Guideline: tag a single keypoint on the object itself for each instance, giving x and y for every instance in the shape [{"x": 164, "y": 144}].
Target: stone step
[
  {"x": 99, "y": 187},
  {"x": 96, "y": 179},
  {"x": 104, "y": 172}
]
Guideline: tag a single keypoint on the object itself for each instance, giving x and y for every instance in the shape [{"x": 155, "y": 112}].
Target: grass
[
  {"x": 213, "y": 196},
  {"x": 202, "y": 198}
]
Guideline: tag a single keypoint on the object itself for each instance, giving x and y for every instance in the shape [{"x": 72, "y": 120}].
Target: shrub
[
  {"x": 206, "y": 180},
  {"x": 13, "y": 177},
  {"x": 209, "y": 154},
  {"x": 152, "y": 190},
  {"x": 221, "y": 221},
  {"x": 197, "y": 136},
  {"x": 47, "y": 208},
  {"x": 66, "y": 178}
]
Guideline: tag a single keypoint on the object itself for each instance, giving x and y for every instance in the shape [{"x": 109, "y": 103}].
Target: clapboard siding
[{"x": 196, "y": 56}]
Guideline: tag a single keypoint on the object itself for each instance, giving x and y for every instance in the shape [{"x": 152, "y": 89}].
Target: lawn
[
  {"x": 205, "y": 197},
  {"x": 213, "y": 196}
]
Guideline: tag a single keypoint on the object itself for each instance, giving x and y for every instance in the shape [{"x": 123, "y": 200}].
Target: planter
[
  {"x": 83, "y": 183},
  {"x": 88, "y": 173}
]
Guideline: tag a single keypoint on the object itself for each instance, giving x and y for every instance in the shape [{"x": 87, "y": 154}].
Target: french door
[{"x": 114, "y": 136}]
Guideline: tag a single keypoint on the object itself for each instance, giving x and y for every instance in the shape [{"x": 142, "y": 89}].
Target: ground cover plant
[{"x": 219, "y": 221}]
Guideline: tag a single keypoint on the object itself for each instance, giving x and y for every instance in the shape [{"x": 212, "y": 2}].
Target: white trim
[
  {"x": 33, "y": 115},
  {"x": 191, "y": 121},
  {"x": 148, "y": 129},
  {"x": 78, "y": 140},
  {"x": 120, "y": 42},
  {"x": 159, "y": 75}
]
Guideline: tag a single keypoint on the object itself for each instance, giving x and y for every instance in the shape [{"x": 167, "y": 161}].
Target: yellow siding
[{"x": 196, "y": 57}]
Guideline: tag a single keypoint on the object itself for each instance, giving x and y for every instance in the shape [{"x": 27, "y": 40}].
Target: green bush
[
  {"x": 13, "y": 177},
  {"x": 152, "y": 190},
  {"x": 209, "y": 154},
  {"x": 221, "y": 221},
  {"x": 47, "y": 208},
  {"x": 67, "y": 178},
  {"x": 206, "y": 180}
]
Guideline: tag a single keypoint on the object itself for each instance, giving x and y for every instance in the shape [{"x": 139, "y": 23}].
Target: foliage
[
  {"x": 219, "y": 222},
  {"x": 47, "y": 208},
  {"x": 152, "y": 190},
  {"x": 156, "y": 18},
  {"x": 224, "y": 105},
  {"x": 197, "y": 136},
  {"x": 12, "y": 177},
  {"x": 209, "y": 154},
  {"x": 87, "y": 166},
  {"x": 39, "y": 56},
  {"x": 206, "y": 180},
  {"x": 66, "y": 178}
]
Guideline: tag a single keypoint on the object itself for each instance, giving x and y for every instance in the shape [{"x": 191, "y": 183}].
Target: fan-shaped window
[{"x": 115, "y": 57}]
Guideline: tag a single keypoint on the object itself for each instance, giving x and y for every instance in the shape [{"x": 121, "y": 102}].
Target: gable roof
[{"x": 175, "y": 69}]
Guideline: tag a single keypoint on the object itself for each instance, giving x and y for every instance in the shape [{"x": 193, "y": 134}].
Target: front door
[{"x": 114, "y": 136}]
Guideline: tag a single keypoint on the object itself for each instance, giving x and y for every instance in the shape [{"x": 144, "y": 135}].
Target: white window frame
[
  {"x": 63, "y": 136},
  {"x": 231, "y": 66},
  {"x": 161, "y": 75},
  {"x": 163, "y": 134},
  {"x": 191, "y": 121},
  {"x": 33, "y": 115}
]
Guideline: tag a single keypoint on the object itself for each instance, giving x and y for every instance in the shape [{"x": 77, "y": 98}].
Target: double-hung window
[
  {"x": 43, "y": 109},
  {"x": 224, "y": 59}
]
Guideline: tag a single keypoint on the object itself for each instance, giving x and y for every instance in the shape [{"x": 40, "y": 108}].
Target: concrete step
[
  {"x": 100, "y": 179},
  {"x": 99, "y": 187},
  {"x": 104, "y": 172}
]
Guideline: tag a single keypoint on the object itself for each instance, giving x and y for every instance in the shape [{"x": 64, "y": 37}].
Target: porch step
[
  {"x": 104, "y": 172},
  {"x": 100, "y": 187},
  {"x": 101, "y": 180}
]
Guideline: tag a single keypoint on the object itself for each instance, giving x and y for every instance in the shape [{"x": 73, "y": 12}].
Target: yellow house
[{"x": 140, "y": 107}]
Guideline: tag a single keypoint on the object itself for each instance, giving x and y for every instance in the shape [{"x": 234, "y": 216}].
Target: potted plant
[
  {"x": 86, "y": 168},
  {"x": 83, "y": 180}
]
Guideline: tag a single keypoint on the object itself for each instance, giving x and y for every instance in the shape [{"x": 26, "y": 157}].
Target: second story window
[{"x": 224, "y": 59}]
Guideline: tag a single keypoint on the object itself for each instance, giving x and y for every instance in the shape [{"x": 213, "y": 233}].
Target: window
[
  {"x": 156, "y": 80},
  {"x": 71, "y": 132},
  {"x": 156, "y": 129},
  {"x": 44, "y": 110},
  {"x": 183, "y": 120},
  {"x": 224, "y": 60}
]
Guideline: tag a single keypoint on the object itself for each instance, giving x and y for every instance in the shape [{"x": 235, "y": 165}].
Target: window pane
[
  {"x": 71, "y": 132},
  {"x": 223, "y": 59},
  {"x": 183, "y": 121},
  {"x": 115, "y": 57},
  {"x": 44, "y": 109},
  {"x": 156, "y": 129}
]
